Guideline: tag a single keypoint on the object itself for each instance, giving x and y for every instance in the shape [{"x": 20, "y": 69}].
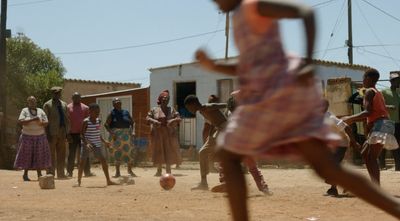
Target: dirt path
[{"x": 298, "y": 195}]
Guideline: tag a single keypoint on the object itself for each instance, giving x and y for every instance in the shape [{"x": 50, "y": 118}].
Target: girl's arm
[
  {"x": 107, "y": 125},
  {"x": 150, "y": 119},
  {"x": 287, "y": 9},
  {"x": 44, "y": 121},
  {"x": 83, "y": 131},
  {"x": 22, "y": 118},
  {"x": 368, "y": 98},
  {"x": 208, "y": 64},
  {"x": 216, "y": 106},
  {"x": 24, "y": 121}
]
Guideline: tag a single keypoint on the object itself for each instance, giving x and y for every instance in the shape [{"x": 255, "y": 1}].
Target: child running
[
  {"x": 92, "y": 142},
  {"x": 380, "y": 129},
  {"x": 280, "y": 107},
  {"x": 347, "y": 141}
]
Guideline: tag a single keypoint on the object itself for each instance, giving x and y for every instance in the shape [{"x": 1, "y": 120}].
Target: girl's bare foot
[{"x": 109, "y": 183}]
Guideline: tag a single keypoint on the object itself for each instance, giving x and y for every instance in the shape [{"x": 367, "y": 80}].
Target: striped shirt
[{"x": 92, "y": 133}]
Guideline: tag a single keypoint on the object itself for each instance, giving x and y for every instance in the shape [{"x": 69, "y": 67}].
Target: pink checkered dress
[{"x": 274, "y": 110}]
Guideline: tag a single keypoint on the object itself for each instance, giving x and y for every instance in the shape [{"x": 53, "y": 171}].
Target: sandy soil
[{"x": 298, "y": 195}]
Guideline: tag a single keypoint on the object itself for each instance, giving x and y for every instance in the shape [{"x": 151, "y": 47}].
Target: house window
[
  {"x": 184, "y": 89},
  {"x": 225, "y": 88}
]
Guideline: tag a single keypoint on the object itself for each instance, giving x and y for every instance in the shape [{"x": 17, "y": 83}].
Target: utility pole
[
  {"x": 349, "y": 42},
  {"x": 226, "y": 35},
  {"x": 3, "y": 36}
]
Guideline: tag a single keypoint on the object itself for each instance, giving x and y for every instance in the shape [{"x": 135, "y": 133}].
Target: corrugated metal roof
[
  {"x": 114, "y": 92},
  {"x": 102, "y": 82},
  {"x": 315, "y": 61}
]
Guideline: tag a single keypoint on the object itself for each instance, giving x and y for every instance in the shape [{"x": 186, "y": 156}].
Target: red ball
[{"x": 167, "y": 181}]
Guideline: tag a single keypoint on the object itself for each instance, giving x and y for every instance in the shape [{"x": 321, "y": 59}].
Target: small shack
[{"x": 135, "y": 100}]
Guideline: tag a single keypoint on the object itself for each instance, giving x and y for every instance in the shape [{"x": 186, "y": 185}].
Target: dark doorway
[{"x": 184, "y": 89}]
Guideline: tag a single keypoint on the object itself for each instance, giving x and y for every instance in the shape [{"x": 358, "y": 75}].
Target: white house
[{"x": 184, "y": 79}]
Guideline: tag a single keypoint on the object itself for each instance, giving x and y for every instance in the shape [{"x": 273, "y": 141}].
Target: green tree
[{"x": 31, "y": 70}]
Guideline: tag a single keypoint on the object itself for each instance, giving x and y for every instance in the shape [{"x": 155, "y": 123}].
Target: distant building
[
  {"x": 135, "y": 100},
  {"x": 85, "y": 87},
  {"x": 184, "y": 79}
]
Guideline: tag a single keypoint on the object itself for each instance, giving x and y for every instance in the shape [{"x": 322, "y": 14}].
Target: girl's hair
[
  {"x": 93, "y": 106},
  {"x": 213, "y": 98},
  {"x": 191, "y": 99},
  {"x": 372, "y": 73}
]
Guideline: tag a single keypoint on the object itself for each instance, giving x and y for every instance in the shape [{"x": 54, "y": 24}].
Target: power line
[
  {"x": 29, "y": 3},
  {"x": 384, "y": 12},
  {"x": 376, "y": 36},
  {"x": 380, "y": 55},
  {"x": 322, "y": 3},
  {"x": 375, "y": 45},
  {"x": 330, "y": 49},
  {"x": 139, "y": 45},
  {"x": 334, "y": 29},
  {"x": 216, "y": 28}
]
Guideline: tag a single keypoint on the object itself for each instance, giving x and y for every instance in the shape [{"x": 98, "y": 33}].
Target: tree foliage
[{"x": 31, "y": 70}]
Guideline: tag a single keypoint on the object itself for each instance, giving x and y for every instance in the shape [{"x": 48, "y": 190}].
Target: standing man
[
  {"x": 77, "y": 112},
  {"x": 58, "y": 127},
  {"x": 392, "y": 100},
  {"x": 121, "y": 127}
]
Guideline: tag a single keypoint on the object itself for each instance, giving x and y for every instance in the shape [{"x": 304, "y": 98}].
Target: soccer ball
[{"x": 167, "y": 181}]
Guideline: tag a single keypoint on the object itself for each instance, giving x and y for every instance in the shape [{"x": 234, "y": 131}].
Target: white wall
[
  {"x": 165, "y": 78},
  {"x": 331, "y": 71},
  {"x": 206, "y": 83}
]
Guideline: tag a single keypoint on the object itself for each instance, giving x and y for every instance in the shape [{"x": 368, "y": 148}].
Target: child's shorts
[
  {"x": 97, "y": 151},
  {"x": 383, "y": 133}
]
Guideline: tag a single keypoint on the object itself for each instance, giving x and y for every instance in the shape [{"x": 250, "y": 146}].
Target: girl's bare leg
[
  {"x": 80, "y": 170},
  {"x": 159, "y": 170},
  {"x": 235, "y": 184},
  {"x": 321, "y": 159},
  {"x": 168, "y": 168},
  {"x": 104, "y": 165},
  {"x": 371, "y": 161}
]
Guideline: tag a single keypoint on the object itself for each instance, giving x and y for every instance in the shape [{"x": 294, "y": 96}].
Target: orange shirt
[{"x": 378, "y": 107}]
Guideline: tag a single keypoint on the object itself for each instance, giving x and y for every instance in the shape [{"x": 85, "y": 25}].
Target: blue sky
[{"x": 154, "y": 33}]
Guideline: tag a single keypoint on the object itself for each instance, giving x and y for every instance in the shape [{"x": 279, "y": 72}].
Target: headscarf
[{"x": 162, "y": 94}]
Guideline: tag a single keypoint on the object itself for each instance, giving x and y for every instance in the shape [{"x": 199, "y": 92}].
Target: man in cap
[
  {"x": 57, "y": 129},
  {"x": 77, "y": 112},
  {"x": 121, "y": 127},
  {"x": 392, "y": 100}
]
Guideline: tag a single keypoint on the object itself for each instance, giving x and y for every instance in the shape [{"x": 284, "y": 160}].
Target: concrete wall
[
  {"x": 165, "y": 78},
  {"x": 325, "y": 72}
]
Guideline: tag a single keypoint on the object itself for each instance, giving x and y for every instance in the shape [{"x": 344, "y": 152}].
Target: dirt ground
[{"x": 297, "y": 195}]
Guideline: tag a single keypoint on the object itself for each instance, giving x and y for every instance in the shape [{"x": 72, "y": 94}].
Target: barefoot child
[
  {"x": 279, "y": 106},
  {"x": 249, "y": 162},
  {"x": 380, "y": 129},
  {"x": 92, "y": 142},
  {"x": 212, "y": 113},
  {"x": 347, "y": 141}
]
